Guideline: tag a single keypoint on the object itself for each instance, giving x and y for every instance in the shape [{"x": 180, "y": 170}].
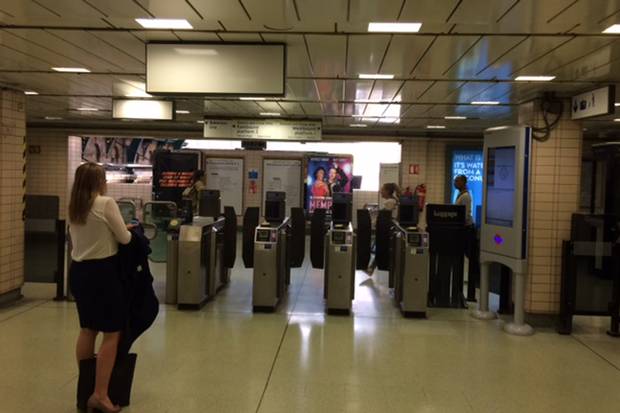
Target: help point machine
[
  {"x": 410, "y": 261},
  {"x": 505, "y": 217}
]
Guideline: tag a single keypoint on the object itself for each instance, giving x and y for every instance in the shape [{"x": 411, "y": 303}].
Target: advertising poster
[
  {"x": 122, "y": 151},
  {"x": 469, "y": 162},
  {"x": 327, "y": 175}
]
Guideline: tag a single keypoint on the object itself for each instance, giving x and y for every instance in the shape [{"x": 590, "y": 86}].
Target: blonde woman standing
[{"x": 97, "y": 228}]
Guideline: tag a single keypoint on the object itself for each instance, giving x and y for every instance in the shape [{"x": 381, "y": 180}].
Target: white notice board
[
  {"x": 283, "y": 175},
  {"x": 226, "y": 175},
  {"x": 388, "y": 173}
]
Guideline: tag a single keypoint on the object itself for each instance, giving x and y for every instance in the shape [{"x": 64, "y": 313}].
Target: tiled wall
[
  {"x": 12, "y": 120},
  {"x": 554, "y": 196},
  {"x": 430, "y": 155},
  {"x": 47, "y": 167}
]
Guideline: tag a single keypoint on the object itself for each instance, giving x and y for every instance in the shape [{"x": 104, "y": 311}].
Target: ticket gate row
[
  {"x": 272, "y": 248},
  {"x": 339, "y": 250},
  {"x": 200, "y": 254},
  {"x": 403, "y": 250}
]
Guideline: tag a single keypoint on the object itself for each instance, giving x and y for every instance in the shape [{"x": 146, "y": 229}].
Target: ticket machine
[{"x": 409, "y": 267}]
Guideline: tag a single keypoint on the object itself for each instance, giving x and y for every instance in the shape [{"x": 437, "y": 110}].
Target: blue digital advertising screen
[
  {"x": 469, "y": 162},
  {"x": 501, "y": 182}
]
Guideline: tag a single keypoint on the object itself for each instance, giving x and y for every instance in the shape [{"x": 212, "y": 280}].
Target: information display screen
[
  {"x": 263, "y": 235},
  {"x": 501, "y": 182},
  {"x": 339, "y": 237}
]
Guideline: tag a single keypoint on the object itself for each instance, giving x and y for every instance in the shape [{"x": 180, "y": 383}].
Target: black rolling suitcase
[{"x": 120, "y": 382}]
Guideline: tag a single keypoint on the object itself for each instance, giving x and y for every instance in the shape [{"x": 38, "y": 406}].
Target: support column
[
  {"x": 554, "y": 197},
  {"x": 12, "y": 181}
]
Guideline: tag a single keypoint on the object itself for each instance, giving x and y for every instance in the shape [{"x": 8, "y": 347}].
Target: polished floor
[{"x": 226, "y": 359}]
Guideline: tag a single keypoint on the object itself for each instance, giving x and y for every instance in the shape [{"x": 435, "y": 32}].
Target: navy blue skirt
[{"x": 100, "y": 294}]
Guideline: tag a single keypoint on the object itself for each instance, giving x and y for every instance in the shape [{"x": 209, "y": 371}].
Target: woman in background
[
  {"x": 192, "y": 192},
  {"x": 97, "y": 228},
  {"x": 320, "y": 187},
  {"x": 390, "y": 192}
]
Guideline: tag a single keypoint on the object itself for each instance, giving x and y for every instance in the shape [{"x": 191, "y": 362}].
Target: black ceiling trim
[
  {"x": 7, "y": 13},
  {"x": 137, "y": 37},
  {"x": 400, "y": 12},
  {"x": 609, "y": 16},
  {"x": 469, "y": 49},
  {"x": 330, "y": 32},
  {"x": 44, "y": 7},
  {"x": 245, "y": 10},
  {"x": 552, "y": 18},
  {"x": 510, "y": 49},
  {"x": 429, "y": 87},
  {"x": 456, "y": 7},
  {"x": 296, "y": 10},
  {"x": 543, "y": 55},
  {"x": 97, "y": 9},
  {"x": 555, "y": 69},
  {"x": 222, "y": 25},
  {"x": 573, "y": 28},
  {"x": 262, "y": 38},
  {"x": 348, "y": 10},
  {"x": 428, "y": 48},
  {"x": 220, "y": 37},
  {"x": 177, "y": 36},
  {"x": 147, "y": 11},
  {"x": 282, "y": 107},
  {"x": 106, "y": 21},
  {"x": 508, "y": 10},
  {"x": 194, "y": 9},
  {"x": 346, "y": 55}
]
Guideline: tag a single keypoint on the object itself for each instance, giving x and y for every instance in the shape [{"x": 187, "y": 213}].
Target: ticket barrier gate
[
  {"x": 278, "y": 245},
  {"x": 335, "y": 249},
  {"x": 408, "y": 255},
  {"x": 200, "y": 257}
]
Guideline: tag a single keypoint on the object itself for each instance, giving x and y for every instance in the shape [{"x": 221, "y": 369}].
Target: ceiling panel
[
  {"x": 477, "y": 58},
  {"x": 404, "y": 53},
  {"x": 327, "y": 54},
  {"x": 443, "y": 53},
  {"x": 365, "y": 54}
]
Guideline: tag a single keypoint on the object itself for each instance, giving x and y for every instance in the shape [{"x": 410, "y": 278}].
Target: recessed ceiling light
[
  {"x": 53, "y": 118},
  {"x": 252, "y": 99},
  {"x": 86, "y": 109},
  {"x": 534, "y": 78},
  {"x": 173, "y": 24},
  {"x": 368, "y": 101},
  {"x": 435, "y": 127},
  {"x": 182, "y": 112},
  {"x": 375, "y": 27},
  {"x": 358, "y": 125},
  {"x": 613, "y": 29},
  {"x": 616, "y": 120},
  {"x": 375, "y": 76},
  {"x": 455, "y": 117},
  {"x": 30, "y": 92},
  {"x": 617, "y": 104},
  {"x": 389, "y": 120},
  {"x": 200, "y": 121},
  {"x": 71, "y": 69},
  {"x": 269, "y": 114},
  {"x": 485, "y": 102}
]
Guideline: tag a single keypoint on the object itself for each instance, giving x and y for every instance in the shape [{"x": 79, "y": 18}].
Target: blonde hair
[{"x": 88, "y": 183}]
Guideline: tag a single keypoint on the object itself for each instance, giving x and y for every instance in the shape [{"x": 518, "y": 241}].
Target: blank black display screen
[
  {"x": 273, "y": 211},
  {"x": 262, "y": 235},
  {"x": 339, "y": 238}
]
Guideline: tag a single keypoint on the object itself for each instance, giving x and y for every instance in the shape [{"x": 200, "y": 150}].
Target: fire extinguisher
[{"x": 420, "y": 191}]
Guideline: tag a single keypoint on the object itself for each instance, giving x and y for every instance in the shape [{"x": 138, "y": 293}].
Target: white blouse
[{"x": 103, "y": 231}]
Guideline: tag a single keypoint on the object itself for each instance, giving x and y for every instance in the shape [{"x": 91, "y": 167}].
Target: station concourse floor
[{"x": 224, "y": 358}]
